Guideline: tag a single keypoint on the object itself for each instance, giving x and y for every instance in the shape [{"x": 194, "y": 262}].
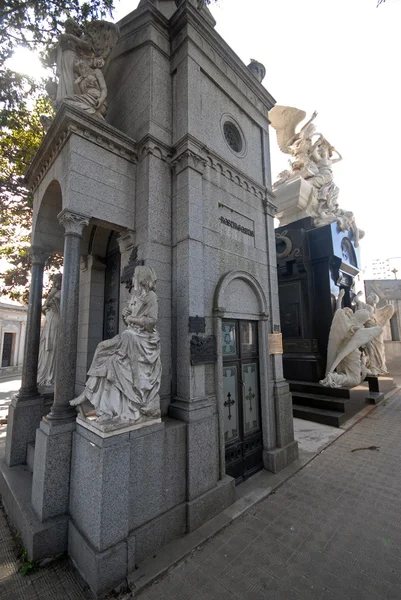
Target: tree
[{"x": 34, "y": 24}]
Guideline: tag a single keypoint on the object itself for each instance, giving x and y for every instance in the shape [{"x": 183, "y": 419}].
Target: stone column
[
  {"x": 284, "y": 451},
  {"x": 51, "y": 473},
  {"x": 27, "y": 406},
  {"x": 64, "y": 389}
]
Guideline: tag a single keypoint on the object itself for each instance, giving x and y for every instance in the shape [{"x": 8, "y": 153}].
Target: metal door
[{"x": 242, "y": 423}]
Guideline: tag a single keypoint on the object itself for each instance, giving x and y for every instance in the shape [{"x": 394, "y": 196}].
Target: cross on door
[
  {"x": 229, "y": 403},
  {"x": 250, "y": 397}
]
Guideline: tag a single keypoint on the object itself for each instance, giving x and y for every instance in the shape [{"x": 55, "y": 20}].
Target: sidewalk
[{"x": 331, "y": 532}]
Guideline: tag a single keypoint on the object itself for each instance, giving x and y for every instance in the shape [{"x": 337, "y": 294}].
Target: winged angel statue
[
  {"x": 312, "y": 158},
  {"x": 80, "y": 57},
  {"x": 349, "y": 333}
]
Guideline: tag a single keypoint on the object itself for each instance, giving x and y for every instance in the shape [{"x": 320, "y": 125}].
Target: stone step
[
  {"x": 319, "y": 415},
  {"x": 312, "y": 387},
  {"x": 318, "y": 401},
  {"x": 30, "y": 455}
]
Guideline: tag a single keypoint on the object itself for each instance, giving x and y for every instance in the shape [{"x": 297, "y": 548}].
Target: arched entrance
[{"x": 240, "y": 304}]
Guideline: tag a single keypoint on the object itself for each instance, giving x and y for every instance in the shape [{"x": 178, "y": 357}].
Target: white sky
[{"x": 341, "y": 58}]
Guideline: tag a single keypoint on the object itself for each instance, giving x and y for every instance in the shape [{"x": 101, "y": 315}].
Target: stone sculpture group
[
  {"x": 312, "y": 158},
  {"x": 356, "y": 347},
  {"x": 80, "y": 58}
]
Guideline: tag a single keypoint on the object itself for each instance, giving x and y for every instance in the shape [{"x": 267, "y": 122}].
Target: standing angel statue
[
  {"x": 377, "y": 316},
  {"x": 345, "y": 361},
  {"x": 80, "y": 56},
  {"x": 124, "y": 378},
  {"x": 49, "y": 334}
]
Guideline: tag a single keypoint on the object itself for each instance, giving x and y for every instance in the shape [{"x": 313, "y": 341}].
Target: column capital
[
  {"x": 39, "y": 255},
  {"x": 73, "y": 222}
]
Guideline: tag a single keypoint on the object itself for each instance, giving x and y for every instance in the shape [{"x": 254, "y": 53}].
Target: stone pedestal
[
  {"x": 293, "y": 200},
  {"x": 127, "y": 498}
]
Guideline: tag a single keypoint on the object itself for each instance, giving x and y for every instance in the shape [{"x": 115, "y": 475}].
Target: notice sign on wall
[{"x": 275, "y": 343}]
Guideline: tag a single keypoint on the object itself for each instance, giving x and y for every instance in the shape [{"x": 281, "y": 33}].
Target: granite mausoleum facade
[{"x": 176, "y": 178}]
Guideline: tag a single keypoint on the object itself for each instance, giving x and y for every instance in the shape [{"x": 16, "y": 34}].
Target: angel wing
[
  {"x": 384, "y": 314},
  {"x": 103, "y": 36},
  {"x": 284, "y": 119},
  {"x": 347, "y": 333},
  {"x": 343, "y": 340}
]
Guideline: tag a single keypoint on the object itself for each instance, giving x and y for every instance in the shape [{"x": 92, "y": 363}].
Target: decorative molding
[
  {"x": 71, "y": 121},
  {"x": 126, "y": 240},
  {"x": 150, "y": 146},
  {"x": 73, "y": 222},
  {"x": 39, "y": 255},
  {"x": 203, "y": 350},
  {"x": 189, "y": 160}
]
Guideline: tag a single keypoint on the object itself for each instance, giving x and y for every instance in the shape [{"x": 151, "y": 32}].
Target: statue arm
[
  {"x": 103, "y": 87},
  {"x": 313, "y": 117},
  {"x": 68, "y": 37},
  {"x": 338, "y": 159}
]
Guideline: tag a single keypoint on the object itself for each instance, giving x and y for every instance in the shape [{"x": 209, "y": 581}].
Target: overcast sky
[{"x": 341, "y": 58}]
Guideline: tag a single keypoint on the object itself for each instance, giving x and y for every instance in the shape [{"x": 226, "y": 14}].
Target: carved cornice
[
  {"x": 73, "y": 222},
  {"x": 150, "y": 146},
  {"x": 71, "y": 121},
  {"x": 126, "y": 240},
  {"x": 188, "y": 153}
]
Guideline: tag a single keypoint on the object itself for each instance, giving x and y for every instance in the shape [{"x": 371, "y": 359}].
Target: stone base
[
  {"x": 109, "y": 428},
  {"x": 381, "y": 384},
  {"x": 103, "y": 571},
  {"x": 41, "y": 540},
  {"x": 211, "y": 503},
  {"x": 279, "y": 458},
  {"x": 51, "y": 471},
  {"x": 293, "y": 201},
  {"x": 24, "y": 417},
  {"x": 151, "y": 537}
]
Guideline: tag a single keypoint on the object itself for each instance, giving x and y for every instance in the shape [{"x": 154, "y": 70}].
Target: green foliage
[{"x": 34, "y": 24}]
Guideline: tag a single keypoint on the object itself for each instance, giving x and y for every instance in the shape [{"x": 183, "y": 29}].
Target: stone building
[
  {"x": 12, "y": 336},
  {"x": 177, "y": 178}
]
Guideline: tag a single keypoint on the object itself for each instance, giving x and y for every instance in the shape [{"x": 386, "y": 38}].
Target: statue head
[
  {"x": 97, "y": 62},
  {"x": 56, "y": 280},
  {"x": 144, "y": 277},
  {"x": 72, "y": 27},
  {"x": 372, "y": 299}
]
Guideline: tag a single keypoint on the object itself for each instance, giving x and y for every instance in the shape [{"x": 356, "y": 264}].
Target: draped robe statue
[
  {"x": 124, "y": 378},
  {"x": 49, "y": 335},
  {"x": 345, "y": 362}
]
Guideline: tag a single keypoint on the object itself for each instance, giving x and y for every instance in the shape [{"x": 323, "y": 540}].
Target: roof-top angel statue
[
  {"x": 346, "y": 366},
  {"x": 81, "y": 56},
  {"x": 285, "y": 119}
]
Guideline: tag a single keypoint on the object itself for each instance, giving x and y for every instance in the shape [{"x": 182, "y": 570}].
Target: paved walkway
[{"x": 332, "y": 532}]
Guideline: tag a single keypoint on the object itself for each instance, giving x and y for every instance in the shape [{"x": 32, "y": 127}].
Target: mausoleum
[{"x": 161, "y": 195}]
